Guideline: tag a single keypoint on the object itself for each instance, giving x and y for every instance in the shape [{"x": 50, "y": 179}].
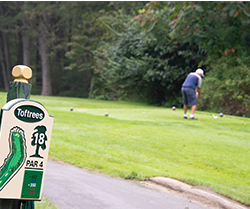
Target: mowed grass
[
  {"x": 137, "y": 141},
  {"x": 44, "y": 203}
]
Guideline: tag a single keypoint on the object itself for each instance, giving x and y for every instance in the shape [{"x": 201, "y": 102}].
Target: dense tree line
[
  {"x": 138, "y": 51},
  {"x": 56, "y": 39},
  {"x": 167, "y": 40}
]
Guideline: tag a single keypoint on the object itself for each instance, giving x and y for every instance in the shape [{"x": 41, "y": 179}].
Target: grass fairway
[{"x": 138, "y": 141}]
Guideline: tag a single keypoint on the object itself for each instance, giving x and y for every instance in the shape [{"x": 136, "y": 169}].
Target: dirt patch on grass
[{"x": 202, "y": 195}]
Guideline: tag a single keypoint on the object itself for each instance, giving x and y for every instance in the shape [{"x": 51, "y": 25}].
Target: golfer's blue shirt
[{"x": 192, "y": 81}]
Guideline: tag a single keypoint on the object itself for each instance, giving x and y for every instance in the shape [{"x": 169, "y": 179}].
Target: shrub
[{"x": 226, "y": 87}]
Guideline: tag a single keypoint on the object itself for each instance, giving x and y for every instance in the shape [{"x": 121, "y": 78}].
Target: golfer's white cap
[{"x": 200, "y": 71}]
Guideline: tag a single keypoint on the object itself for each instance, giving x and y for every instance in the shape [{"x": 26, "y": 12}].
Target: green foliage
[
  {"x": 220, "y": 29},
  {"x": 226, "y": 88},
  {"x": 217, "y": 27},
  {"x": 133, "y": 176},
  {"x": 156, "y": 49},
  {"x": 75, "y": 83},
  {"x": 90, "y": 36},
  {"x": 138, "y": 51},
  {"x": 44, "y": 203},
  {"x": 144, "y": 63}
]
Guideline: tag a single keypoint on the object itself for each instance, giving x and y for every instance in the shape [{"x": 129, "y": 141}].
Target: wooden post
[{"x": 19, "y": 88}]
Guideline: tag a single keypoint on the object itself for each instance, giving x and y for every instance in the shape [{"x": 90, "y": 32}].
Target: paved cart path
[{"x": 70, "y": 187}]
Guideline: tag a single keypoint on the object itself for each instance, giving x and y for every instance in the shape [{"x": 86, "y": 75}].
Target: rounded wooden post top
[{"x": 21, "y": 73}]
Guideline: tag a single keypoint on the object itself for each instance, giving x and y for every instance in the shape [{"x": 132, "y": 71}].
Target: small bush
[{"x": 226, "y": 87}]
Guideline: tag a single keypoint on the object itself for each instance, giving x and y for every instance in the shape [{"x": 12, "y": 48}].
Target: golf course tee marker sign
[{"x": 25, "y": 133}]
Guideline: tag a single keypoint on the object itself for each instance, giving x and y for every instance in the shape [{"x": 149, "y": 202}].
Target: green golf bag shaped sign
[{"x": 25, "y": 133}]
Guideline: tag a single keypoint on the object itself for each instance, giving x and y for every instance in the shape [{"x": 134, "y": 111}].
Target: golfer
[{"x": 189, "y": 93}]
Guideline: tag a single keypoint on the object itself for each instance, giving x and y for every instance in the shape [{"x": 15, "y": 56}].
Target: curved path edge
[{"x": 199, "y": 194}]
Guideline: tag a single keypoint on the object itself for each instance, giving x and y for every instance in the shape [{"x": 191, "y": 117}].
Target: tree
[
  {"x": 219, "y": 28},
  {"x": 26, "y": 38},
  {"x": 32, "y": 25},
  {"x": 146, "y": 63},
  {"x": 44, "y": 50},
  {"x": 39, "y": 140},
  {"x": 87, "y": 36},
  {"x": 6, "y": 10},
  {"x": 226, "y": 87}
]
